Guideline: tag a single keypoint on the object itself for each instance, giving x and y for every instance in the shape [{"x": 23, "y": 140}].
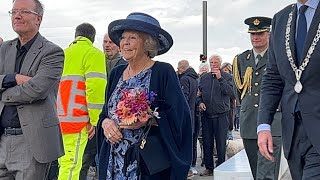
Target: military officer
[{"x": 248, "y": 68}]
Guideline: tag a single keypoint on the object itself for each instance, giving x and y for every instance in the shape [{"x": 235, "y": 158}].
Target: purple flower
[{"x": 152, "y": 96}]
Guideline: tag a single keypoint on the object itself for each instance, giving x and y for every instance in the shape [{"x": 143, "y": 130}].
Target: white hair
[
  {"x": 216, "y": 56},
  {"x": 204, "y": 65}
]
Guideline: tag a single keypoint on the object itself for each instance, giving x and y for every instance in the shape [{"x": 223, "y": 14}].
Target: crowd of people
[{"x": 131, "y": 117}]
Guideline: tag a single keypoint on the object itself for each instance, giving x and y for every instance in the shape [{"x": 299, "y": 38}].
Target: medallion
[
  {"x": 298, "y": 87},
  {"x": 299, "y": 70}
]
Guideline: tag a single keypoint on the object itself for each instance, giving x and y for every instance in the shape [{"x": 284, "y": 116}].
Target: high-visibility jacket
[{"x": 82, "y": 86}]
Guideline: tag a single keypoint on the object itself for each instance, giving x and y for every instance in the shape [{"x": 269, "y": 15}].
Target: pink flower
[
  {"x": 144, "y": 117},
  {"x": 134, "y": 106},
  {"x": 120, "y": 105}
]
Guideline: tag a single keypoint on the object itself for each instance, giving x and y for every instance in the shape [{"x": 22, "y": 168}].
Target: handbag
[{"x": 148, "y": 151}]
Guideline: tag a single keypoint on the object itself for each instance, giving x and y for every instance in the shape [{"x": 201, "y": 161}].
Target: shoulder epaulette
[
  {"x": 245, "y": 54},
  {"x": 243, "y": 84}
]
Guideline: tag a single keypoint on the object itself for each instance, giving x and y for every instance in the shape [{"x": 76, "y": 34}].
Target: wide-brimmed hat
[{"x": 144, "y": 23}]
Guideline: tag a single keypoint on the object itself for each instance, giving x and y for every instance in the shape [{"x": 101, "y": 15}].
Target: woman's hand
[
  {"x": 111, "y": 131},
  {"x": 135, "y": 125},
  {"x": 202, "y": 107}
]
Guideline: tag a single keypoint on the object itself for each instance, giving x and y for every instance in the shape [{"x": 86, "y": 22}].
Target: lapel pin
[{"x": 248, "y": 56}]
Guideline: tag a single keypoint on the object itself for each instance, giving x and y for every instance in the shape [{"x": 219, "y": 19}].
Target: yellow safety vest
[{"x": 82, "y": 86}]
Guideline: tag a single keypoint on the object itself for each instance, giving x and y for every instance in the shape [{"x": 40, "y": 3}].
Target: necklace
[
  {"x": 129, "y": 68},
  {"x": 298, "y": 72}
]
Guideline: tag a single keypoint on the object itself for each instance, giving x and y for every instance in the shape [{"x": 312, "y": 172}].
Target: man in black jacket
[
  {"x": 216, "y": 90},
  {"x": 189, "y": 85}
]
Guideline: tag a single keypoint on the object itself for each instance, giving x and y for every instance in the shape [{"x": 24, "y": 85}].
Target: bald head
[
  {"x": 183, "y": 65},
  {"x": 110, "y": 49}
]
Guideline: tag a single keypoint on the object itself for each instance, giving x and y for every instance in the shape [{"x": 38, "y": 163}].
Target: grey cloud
[{"x": 227, "y": 34}]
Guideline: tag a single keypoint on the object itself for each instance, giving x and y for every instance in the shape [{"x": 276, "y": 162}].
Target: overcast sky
[{"x": 227, "y": 33}]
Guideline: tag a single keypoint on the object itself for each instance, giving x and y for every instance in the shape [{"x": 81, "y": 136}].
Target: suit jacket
[
  {"x": 250, "y": 102},
  {"x": 279, "y": 80},
  {"x": 35, "y": 99}
]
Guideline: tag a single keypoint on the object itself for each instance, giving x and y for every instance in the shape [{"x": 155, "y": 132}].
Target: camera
[{"x": 203, "y": 58}]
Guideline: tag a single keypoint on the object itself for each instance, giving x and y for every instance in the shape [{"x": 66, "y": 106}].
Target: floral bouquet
[{"x": 134, "y": 106}]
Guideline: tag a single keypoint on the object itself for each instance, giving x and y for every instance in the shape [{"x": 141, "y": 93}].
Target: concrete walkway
[{"x": 236, "y": 135}]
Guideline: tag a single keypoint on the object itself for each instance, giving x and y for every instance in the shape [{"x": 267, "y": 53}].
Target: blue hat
[{"x": 144, "y": 23}]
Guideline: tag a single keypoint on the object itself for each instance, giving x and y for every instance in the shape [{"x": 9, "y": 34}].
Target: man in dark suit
[
  {"x": 292, "y": 76},
  {"x": 30, "y": 70},
  {"x": 248, "y": 68}
]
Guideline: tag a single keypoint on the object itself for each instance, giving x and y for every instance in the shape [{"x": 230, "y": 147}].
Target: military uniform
[{"x": 247, "y": 77}]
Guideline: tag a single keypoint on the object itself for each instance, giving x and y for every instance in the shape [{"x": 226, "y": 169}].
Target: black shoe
[
  {"x": 190, "y": 174},
  {"x": 207, "y": 172}
]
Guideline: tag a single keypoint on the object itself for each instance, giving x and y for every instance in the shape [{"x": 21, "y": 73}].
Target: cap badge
[{"x": 256, "y": 22}]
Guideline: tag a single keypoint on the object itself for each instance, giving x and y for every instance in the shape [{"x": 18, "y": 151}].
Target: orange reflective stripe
[
  {"x": 75, "y": 127},
  {"x": 78, "y": 112},
  {"x": 81, "y": 85},
  {"x": 79, "y": 99},
  {"x": 72, "y": 105},
  {"x": 65, "y": 87}
]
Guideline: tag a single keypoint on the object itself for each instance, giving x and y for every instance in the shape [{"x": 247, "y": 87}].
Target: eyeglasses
[{"x": 23, "y": 12}]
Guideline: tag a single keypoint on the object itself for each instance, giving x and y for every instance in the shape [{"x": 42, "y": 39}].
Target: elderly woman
[
  {"x": 140, "y": 39},
  {"x": 226, "y": 67},
  {"x": 203, "y": 68}
]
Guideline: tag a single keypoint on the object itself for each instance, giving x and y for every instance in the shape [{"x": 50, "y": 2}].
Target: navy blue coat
[
  {"x": 279, "y": 80},
  {"x": 216, "y": 93},
  {"x": 189, "y": 86},
  {"x": 175, "y": 121}
]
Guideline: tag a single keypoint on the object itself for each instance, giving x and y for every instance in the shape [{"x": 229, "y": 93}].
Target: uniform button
[
  {"x": 256, "y": 84},
  {"x": 257, "y": 73},
  {"x": 256, "y": 105},
  {"x": 256, "y": 94}
]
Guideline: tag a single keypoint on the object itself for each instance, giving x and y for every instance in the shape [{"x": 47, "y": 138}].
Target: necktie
[
  {"x": 301, "y": 33},
  {"x": 258, "y": 58}
]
